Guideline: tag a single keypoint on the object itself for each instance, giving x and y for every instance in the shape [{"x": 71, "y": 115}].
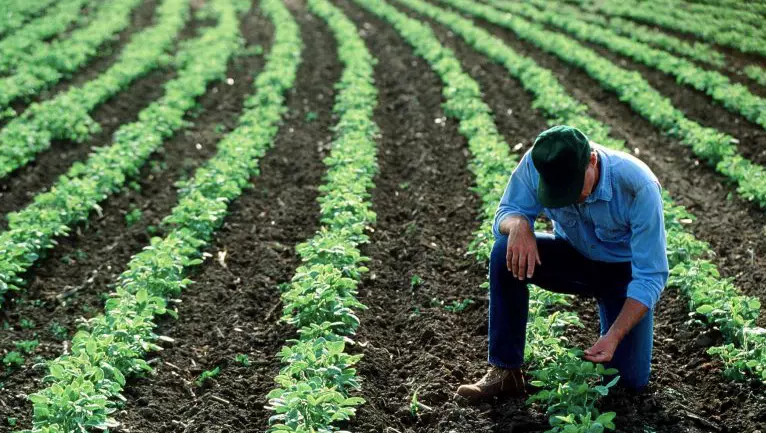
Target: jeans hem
[{"x": 501, "y": 364}]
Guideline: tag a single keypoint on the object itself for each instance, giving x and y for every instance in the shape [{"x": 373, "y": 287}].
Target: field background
[{"x": 428, "y": 210}]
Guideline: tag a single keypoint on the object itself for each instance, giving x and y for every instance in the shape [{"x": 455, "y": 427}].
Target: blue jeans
[{"x": 564, "y": 270}]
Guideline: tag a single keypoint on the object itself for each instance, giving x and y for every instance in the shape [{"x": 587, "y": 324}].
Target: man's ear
[{"x": 593, "y": 158}]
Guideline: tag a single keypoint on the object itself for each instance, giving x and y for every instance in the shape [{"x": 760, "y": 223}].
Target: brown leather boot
[{"x": 498, "y": 382}]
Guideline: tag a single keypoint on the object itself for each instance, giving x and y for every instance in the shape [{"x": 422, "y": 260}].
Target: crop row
[
  {"x": 713, "y": 146},
  {"x": 66, "y": 116},
  {"x": 724, "y": 13},
  {"x": 29, "y": 39},
  {"x": 317, "y": 375},
  {"x": 17, "y": 12},
  {"x": 756, "y": 73},
  {"x": 568, "y": 384},
  {"x": 697, "y": 51},
  {"x": 733, "y": 34},
  {"x": 715, "y": 299},
  {"x": 735, "y": 4},
  {"x": 735, "y": 97},
  {"x": 76, "y": 194},
  {"x": 56, "y": 60},
  {"x": 83, "y": 384}
]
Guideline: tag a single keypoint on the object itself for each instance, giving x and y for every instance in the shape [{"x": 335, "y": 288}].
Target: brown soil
[
  {"x": 71, "y": 281},
  {"x": 235, "y": 310}
]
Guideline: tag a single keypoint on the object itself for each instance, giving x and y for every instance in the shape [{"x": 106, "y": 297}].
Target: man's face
[{"x": 590, "y": 178}]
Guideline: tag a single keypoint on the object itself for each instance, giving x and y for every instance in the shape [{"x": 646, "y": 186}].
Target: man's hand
[
  {"x": 603, "y": 350},
  {"x": 522, "y": 254}
]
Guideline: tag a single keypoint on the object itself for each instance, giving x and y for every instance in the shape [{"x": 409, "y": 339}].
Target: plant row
[
  {"x": 698, "y": 51},
  {"x": 84, "y": 384},
  {"x": 736, "y": 4},
  {"x": 716, "y": 301},
  {"x": 66, "y": 116},
  {"x": 732, "y": 34},
  {"x": 756, "y": 73},
  {"x": 17, "y": 12},
  {"x": 29, "y": 39},
  {"x": 317, "y": 375},
  {"x": 32, "y": 230},
  {"x": 568, "y": 384},
  {"x": 60, "y": 58},
  {"x": 734, "y": 96},
  {"x": 715, "y": 147},
  {"x": 726, "y": 14}
]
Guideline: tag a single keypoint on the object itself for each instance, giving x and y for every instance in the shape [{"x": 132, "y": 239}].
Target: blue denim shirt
[{"x": 621, "y": 221}]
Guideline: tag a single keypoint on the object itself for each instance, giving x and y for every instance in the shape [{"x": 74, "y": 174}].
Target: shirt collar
[{"x": 604, "y": 188}]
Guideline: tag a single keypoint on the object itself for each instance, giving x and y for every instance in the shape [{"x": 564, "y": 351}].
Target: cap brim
[{"x": 560, "y": 195}]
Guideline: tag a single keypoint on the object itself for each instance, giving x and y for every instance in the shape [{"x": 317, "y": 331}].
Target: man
[{"x": 608, "y": 243}]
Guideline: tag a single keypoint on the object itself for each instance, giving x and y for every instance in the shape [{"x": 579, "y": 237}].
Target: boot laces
[{"x": 494, "y": 375}]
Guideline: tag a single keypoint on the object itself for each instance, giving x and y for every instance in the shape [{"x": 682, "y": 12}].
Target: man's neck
[{"x": 598, "y": 173}]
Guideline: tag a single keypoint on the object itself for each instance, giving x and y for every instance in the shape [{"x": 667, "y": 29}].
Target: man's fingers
[
  {"x": 597, "y": 357},
  {"x": 515, "y": 264},
  {"x": 522, "y": 268},
  {"x": 530, "y": 265},
  {"x": 537, "y": 254}
]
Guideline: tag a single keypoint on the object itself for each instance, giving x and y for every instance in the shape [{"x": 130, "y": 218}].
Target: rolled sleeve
[
  {"x": 649, "y": 260},
  {"x": 520, "y": 196}
]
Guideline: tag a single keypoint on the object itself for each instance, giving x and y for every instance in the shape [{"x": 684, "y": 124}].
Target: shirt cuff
[{"x": 642, "y": 294}]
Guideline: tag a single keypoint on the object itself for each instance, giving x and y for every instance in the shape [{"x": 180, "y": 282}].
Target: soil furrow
[
  {"x": 732, "y": 226},
  {"x": 680, "y": 363},
  {"x": 142, "y": 17},
  {"x": 71, "y": 282},
  {"x": 426, "y": 215},
  {"x": 235, "y": 309}
]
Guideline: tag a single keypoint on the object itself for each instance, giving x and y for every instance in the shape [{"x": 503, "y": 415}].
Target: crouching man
[{"x": 608, "y": 243}]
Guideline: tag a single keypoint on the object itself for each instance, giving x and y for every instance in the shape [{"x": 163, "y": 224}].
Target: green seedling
[
  {"x": 133, "y": 216},
  {"x": 311, "y": 116},
  {"x": 242, "y": 359},
  {"x": 13, "y": 359},
  {"x": 207, "y": 374},
  {"x": 59, "y": 332},
  {"x": 415, "y": 282},
  {"x": 27, "y": 346},
  {"x": 459, "y": 306}
]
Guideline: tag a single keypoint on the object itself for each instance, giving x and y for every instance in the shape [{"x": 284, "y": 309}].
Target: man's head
[{"x": 567, "y": 165}]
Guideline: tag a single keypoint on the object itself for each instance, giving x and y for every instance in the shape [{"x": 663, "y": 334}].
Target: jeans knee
[{"x": 499, "y": 251}]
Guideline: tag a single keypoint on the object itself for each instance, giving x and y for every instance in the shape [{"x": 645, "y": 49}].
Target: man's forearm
[{"x": 632, "y": 312}]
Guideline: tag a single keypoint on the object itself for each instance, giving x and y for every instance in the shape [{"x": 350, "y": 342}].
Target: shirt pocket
[
  {"x": 611, "y": 234},
  {"x": 562, "y": 216}
]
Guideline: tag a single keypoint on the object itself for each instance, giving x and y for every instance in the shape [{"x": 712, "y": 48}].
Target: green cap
[{"x": 560, "y": 155}]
